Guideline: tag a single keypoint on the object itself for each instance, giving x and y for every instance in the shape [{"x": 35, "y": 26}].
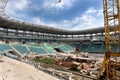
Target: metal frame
[{"x": 111, "y": 18}]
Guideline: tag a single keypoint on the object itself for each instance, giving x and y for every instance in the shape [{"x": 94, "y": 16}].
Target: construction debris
[{"x": 82, "y": 63}]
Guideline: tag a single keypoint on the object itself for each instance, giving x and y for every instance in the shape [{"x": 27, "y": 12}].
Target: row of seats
[
  {"x": 35, "y": 45},
  {"x": 23, "y": 49},
  {"x": 46, "y": 48},
  {"x": 38, "y": 50},
  {"x": 49, "y": 48},
  {"x": 36, "y": 40},
  {"x": 94, "y": 47},
  {"x": 90, "y": 47},
  {"x": 4, "y": 47},
  {"x": 65, "y": 48}
]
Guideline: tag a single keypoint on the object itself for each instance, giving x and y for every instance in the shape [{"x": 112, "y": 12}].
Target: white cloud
[
  {"x": 87, "y": 20},
  {"x": 91, "y": 10},
  {"x": 91, "y": 18},
  {"x": 22, "y": 4},
  {"x": 54, "y": 5},
  {"x": 100, "y": 13},
  {"x": 14, "y": 5},
  {"x": 37, "y": 20}
]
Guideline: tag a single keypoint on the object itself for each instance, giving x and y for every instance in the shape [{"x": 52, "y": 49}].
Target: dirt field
[{"x": 14, "y": 70}]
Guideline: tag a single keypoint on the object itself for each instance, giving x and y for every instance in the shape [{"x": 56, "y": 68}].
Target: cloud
[
  {"x": 100, "y": 13},
  {"x": 91, "y": 10},
  {"x": 38, "y": 20},
  {"x": 54, "y": 5},
  {"x": 14, "y": 6},
  {"x": 91, "y": 18}
]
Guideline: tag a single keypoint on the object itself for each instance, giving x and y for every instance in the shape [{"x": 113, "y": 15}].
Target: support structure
[{"x": 111, "y": 63}]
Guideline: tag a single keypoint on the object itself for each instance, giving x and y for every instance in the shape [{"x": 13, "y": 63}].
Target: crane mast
[{"x": 111, "y": 63}]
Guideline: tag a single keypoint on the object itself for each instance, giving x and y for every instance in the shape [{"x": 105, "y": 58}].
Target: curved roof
[{"x": 11, "y": 23}]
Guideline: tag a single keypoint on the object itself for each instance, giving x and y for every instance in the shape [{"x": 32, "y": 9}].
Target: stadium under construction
[{"x": 63, "y": 54}]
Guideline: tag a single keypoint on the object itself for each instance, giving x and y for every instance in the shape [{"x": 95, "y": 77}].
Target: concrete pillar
[{"x": 70, "y": 76}]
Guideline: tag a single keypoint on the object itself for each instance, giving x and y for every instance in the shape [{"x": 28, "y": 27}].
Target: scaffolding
[{"x": 111, "y": 64}]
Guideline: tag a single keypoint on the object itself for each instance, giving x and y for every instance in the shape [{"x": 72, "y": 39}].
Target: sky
[{"x": 68, "y": 14}]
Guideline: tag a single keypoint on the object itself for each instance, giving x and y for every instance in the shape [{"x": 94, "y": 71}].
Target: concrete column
[
  {"x": 16, "y": 33},
  {"x": 6, "y": 31},
  {"x": 70, "y": 76},
  {"x": 91, "y": 37}
]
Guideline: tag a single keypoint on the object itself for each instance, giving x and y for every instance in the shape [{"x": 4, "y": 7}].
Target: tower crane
[{"x": 111, "y": 62}]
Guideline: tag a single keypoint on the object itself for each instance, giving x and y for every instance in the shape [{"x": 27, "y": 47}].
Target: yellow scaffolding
[{"x": 111, "y": 62}]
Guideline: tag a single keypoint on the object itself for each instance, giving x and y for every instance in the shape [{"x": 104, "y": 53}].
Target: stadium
[{"x": 68, "y": 49}]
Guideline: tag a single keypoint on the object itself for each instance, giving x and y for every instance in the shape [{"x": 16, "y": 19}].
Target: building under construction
[{"x": 22, "y": 40}]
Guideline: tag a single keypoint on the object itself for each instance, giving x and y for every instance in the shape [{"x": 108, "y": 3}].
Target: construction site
[{"x": 31, "y": 51}]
